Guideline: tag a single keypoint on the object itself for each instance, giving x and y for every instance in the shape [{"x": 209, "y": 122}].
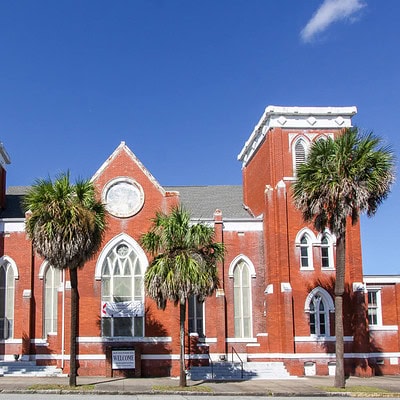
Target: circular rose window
[{"x": 123, "y": 197}]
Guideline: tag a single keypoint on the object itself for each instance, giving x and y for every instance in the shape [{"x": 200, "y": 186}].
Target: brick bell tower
[{"x": 279, "y": 142}]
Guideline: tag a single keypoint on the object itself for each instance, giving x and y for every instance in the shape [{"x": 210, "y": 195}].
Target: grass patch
[
  {"x": 164, "y": 388},
  {"x": 60, "y": 387},
  {"x": 358, "y": 389}
]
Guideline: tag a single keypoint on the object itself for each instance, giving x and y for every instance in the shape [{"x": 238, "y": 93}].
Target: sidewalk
[{"x": 307, "y": 386}]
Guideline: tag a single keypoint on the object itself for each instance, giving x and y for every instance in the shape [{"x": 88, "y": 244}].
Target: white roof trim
[
  {"x": 295, "y": 118},
  {"x": 374, "y": 279},
  {"x": 124, "y": 147}
]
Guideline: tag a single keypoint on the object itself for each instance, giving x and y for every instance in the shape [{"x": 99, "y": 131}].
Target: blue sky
[{"x": 184, "y": 82}]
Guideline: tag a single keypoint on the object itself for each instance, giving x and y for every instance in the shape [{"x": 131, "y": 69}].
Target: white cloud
[{"x": 330, "y": 11}]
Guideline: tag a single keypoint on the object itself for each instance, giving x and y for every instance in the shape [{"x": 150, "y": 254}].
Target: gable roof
[
  {"x": 14, "y": 197},
  {"x": 200, "y": 201}
]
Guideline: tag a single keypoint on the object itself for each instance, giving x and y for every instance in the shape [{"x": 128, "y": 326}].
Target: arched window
[
  {"x": 325, "y": 262},
  {"x": 326, "y": 252},
  {"x": 52, "y": 280},
  {"x": 299, "y": 153},
  {"x": 122, "y": 291},
  {"x": 319, "y": 304},
  {"x": 318, "y": 316},
  {"x": 304, "y": 242},
  {"x": 305, "y": 252},
  {"x": 7, "y": 287},
  {"x": 242, "y": 300},
  {"x": 326, "y": 241}
]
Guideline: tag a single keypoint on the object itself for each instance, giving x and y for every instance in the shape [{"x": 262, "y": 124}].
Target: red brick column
[{"x": 220, "y": 299}]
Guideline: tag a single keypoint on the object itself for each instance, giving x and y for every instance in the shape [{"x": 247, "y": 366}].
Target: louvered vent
[{"x": 300, "y": 153}]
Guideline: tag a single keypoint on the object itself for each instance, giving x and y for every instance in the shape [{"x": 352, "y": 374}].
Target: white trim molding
[
  {"x": 314, "y": 338},
  {"x": 122, "y": 237},
  {"x": 5, "y": 259},
  {"x": 324, "y": 294},
  {"x": 295, "y": 118},
  {"x": 236, "y": 260}
]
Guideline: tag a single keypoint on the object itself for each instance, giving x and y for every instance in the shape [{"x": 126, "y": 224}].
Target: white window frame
[
  {"x": 378, "y": 306},
  {"x": 330, "y": 246},
  {"x": 9, "y": 266},
  {"x": 242, "y": 262},
  {"x": 194, "y": 317},
  {"x": 123, "y": 239},
  {"x": 54, "y": 298},
  {"x": 309, "y": 235},
  {"x": 329, "y": 308},
  {"x": 305, "y": 142}
]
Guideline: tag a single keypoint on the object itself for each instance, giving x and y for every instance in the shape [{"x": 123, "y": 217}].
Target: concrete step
[
  {"x": 233, "y": 371},
  {"x": 28, "y": 368}
]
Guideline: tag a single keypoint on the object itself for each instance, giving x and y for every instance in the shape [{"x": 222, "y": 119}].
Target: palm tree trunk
[
  {"x": 182, "y": 320},
  {"x": 339, "y": 291},
  {"x": 73, "y": 273}
]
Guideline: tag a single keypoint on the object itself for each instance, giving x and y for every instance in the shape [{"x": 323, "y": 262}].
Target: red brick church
[{"x": 275, "y": 303}]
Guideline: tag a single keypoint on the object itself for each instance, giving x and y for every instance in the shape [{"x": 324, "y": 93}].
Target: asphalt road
[{"x": 37, "y": 396}]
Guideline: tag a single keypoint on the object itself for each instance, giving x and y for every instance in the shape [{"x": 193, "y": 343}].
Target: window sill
[
  {"x": 314, "y": 338},
  {"x": 383, "y": 328}
]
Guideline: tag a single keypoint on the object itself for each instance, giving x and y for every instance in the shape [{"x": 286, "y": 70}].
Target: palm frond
[
  {"x": 66, "y": 222},
  {"x": 342, "y": 178},
  {"x": 185, "y": 258}
]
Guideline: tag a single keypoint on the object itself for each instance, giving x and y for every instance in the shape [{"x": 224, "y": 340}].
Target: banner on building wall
[{"x": 122, "y": 309}]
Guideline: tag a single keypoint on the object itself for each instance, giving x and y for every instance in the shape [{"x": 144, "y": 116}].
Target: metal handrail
[
  {"x": 241, "y": 362},
  {"x": 212, "y": 366}
]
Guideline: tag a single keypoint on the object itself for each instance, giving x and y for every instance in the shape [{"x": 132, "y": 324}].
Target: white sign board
[{"x": 123, "y": 359}]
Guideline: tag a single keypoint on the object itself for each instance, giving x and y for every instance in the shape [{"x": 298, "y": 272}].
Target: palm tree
[
  {"x": 66, "y": 224},
  {"x": 341, "y": 179},
  {"x": 184, "y": 264}
]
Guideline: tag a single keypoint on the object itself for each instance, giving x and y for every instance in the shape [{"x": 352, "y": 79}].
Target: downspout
[
  {"x": 223, "y": 287},
  {"x": 63, "y": 320}
]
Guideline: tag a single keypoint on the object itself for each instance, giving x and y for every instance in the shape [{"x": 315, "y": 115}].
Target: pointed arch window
[
  {"x": 122, "y": 292},
  {"x": 318, "y": 316},
  {"x": 319, "y": 304},
  {"x": 327, "y": 261},
  {"x": 306, "y": 261},
  {"x": 242, "y": 300},
  {"x": 7, "y": 289},
  {"x": 300, "y": 153},
  {"x": 52, "y": 281}
]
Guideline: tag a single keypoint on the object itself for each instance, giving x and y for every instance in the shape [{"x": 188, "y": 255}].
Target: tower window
[{"x": 299, "y": 153}]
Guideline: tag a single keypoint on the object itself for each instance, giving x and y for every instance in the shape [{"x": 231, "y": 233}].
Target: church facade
[{"x": 275, "y": 301}]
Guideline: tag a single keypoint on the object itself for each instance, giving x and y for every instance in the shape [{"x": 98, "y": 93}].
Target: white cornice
[
  {"x": 381, "y": 279},
  {"x": 295, "y": 118},
  {"x": 124, "y": 147}
]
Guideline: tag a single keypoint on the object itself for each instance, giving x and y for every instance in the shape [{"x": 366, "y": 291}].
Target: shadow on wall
[
  {"x": 154, "y": 331},
  {"x": 355, "y": 320}
]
